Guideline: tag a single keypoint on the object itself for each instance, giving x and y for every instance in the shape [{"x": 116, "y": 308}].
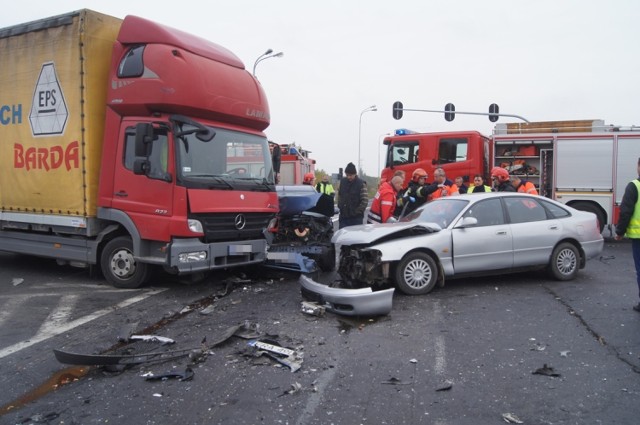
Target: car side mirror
[{"x": 467, "y": 222}]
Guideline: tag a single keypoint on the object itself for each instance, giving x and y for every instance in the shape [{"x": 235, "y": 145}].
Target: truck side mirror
[
  {"x": 144, "y": 138},
  {"x": 141, "y": 166}
]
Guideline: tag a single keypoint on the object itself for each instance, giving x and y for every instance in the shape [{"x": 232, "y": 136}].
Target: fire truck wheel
[
  {"x": 417, "y": 274},
  {"x": 119, "y": 267},
  {"x": 565, "y": 262}
]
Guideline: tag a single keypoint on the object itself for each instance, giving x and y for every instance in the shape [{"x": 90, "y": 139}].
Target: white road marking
[
  {"x": 10, "y": 306},
  {"x": 58, "y": 315}
]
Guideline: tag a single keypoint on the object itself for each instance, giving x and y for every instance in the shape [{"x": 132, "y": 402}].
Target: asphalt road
[{"x": 464, "y": 354}]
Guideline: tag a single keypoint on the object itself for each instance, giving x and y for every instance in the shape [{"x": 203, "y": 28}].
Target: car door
[
  {"x": 486, "y": 246},
  {"x": 534, "y": 234}
]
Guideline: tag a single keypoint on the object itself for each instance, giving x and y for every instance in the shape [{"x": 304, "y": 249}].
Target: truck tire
[
  {"x": 417, "y": 274},
  {"x": 589, "y": 207},
  {"x": 565, "y": 262},
  {"x": 119, "y": 267}
]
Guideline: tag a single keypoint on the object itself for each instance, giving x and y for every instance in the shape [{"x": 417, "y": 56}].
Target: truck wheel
[
  {"x": 416, "y": 274},
  {"x": 119, "y": 267},
  {"x": 327, "y": 261},
  {"x": 586, "y": 206},
  {"x": 565, "y": 262}
]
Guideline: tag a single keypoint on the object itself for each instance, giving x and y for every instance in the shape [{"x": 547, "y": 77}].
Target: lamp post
[
  {"x": 371, "y": 108},
  {"x": 266, "y": 55},
  {"x": 381, "y": 139}
]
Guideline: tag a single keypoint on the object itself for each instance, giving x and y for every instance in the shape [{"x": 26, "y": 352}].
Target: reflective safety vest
[
  {"x": 633, "y": 229},
  {"x": 446, "y": 190},
  {"x": 383, "y": 204},
  {"x": 484, "y": 186},
  {"x": 527, "y": 187},
  {"x": 325, "y": 187}
]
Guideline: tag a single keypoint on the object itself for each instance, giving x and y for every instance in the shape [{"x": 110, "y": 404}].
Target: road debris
[
  {"x": 152, "y": 338},
  {"x": 546, "y": 371},
  {"x": 187, "y": 375},
  {"x": 565, "y": 353},
  {"x": 511, "y": 418},
  {"x": 395, "y": 381},
  {"x": 285, "y": 356},
  {"x": 295, "y": 387},
  {"x": 445, "y": 386},
  {"x": 17, "y": 281},
  {"x": 312, "y": 308}
]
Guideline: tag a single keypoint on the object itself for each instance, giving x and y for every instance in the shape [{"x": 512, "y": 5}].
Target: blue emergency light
[{"x": 403, "y": 131}]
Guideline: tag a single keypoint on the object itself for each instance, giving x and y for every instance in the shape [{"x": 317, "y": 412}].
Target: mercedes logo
[{"x": 240, "y": 221}]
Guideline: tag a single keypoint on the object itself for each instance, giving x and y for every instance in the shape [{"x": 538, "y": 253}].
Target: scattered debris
[
  {"x": 395, "y": 381},
  {"x": 295, "y": 387},
  {"x": 511, "y": 418},
  {"x": 126, "y": 331},
  {"x": 285, "y": 356},
  {"x": 17, "y": 281},
  {"x": 312, "y": 308},
  {"x": 413, "y": 361},
  {"x": 187, "y": 375},
  {"x": 125, "y": 359},
  {"x": 40, "y": 418},
  {"x": 152, "y": 338},
  {"x": 445, "y": 386},
  {"x": 546, "y": 371},
  {"x": 564, "y": 353},
  {"x": 208, "y": 309}
]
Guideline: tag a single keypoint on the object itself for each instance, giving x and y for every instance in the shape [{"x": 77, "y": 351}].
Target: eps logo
[{"x": 49, "y": 112}]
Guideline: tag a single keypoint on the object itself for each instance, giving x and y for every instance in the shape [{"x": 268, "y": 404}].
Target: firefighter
[
  {"x": 478, "y": 185},
  {"x": 385, "y": 201},
  {"x": 309, "y": 179},
  {"x": 445, "y": 187},
  {"x": 501, "y": 181},
  {"x": 418, "y": 190},
  {"x": 523, "y": 186}
]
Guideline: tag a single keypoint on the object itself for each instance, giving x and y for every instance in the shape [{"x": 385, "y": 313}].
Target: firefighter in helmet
[
  {"x": 309, "y": 179},
  {"x": 501, "y": 180},
  {"x": 417, "y": 192}
]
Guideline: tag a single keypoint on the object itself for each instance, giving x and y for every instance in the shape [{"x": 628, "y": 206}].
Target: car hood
[{"x": 369, "y": 233}]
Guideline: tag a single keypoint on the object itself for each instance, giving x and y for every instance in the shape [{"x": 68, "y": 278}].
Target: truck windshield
[{"x": 232, "y": 160}]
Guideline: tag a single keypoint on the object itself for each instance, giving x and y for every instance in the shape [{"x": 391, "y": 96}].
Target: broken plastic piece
[
  {"x": 152, "y": 338},
  {"x": 312, "y": 309},
  {"x": 546, "y": 370},
  {"x": 187, "y": 375},
  {"x": 511, "y": 418},
  {"x": 445, "y": 386}
]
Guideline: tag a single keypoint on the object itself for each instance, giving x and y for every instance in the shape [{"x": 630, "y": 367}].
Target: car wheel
[
  {"x": 119, "y": 267},
  {"x": 565, "y": 262},
  {"x": 416, "y": 274}
]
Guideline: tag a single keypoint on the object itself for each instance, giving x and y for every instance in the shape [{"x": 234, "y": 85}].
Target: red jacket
[{"x": 383, "y": 204}]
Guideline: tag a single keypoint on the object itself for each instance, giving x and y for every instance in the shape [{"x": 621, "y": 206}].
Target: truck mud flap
[{"x": 348, "y": 302}]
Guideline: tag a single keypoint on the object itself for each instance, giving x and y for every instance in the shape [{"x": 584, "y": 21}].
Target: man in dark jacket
[
  {"x": 629, "y": 223},
  {"x": 352, "y": 198}
]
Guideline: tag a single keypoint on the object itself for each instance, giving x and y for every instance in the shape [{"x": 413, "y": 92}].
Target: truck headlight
[
  {"x": 195, "y": 226},
  {"x": 192, "y": 257}
]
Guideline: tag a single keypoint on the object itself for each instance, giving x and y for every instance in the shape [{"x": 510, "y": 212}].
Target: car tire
[
  {"x": 565, "y": 262},
  {"x": 416, "y": 274},
  {"x": 120, "y": 268}
]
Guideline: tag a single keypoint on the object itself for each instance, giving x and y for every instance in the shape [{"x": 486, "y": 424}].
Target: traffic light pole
[{"x": 398, "y": 109}]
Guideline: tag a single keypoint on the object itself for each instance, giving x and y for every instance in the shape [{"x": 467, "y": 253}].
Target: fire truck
[
  {"x": 294, "y": 164},
  {"x": 582, "y": 163}
]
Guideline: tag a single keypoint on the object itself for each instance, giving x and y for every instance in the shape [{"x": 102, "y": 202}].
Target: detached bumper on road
[{"x": 349, "y": 302}]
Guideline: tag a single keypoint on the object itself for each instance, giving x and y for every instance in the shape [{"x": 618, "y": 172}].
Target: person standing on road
[
  {"x": 385, "y": 201},
  {"x": 326, "y": 187},
  {"x": 523, "y": 186},
  {"x": 462, "y": 188},
  {"x": 501, "y": 182},
  {"x": 445, "y": 187},
  {"x": 352, "y": 198},
  {"x": 629, "y": 224},
  {"x": 416, "y": 193},
  {"x": 309, "y": 180}
]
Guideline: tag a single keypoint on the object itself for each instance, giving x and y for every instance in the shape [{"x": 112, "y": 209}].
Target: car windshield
[{"x": 441, "y": 211}]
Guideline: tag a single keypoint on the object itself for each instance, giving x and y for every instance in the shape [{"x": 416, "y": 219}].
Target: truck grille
[{"x": 222, "y": 227}]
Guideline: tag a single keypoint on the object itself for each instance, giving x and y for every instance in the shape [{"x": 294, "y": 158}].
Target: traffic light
[
  {"x": 450, "y": 109},
  {"x": 397, "y": 110},
  {"x": 494, "y": 109}
]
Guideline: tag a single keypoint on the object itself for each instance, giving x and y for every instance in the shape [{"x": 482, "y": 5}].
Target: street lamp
[
  {"x": 371, "y": 108},
  {"x": 266, "y": 55}
]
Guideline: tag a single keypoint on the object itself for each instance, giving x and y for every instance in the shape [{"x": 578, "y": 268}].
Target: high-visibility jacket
[
  {"x": 527, "y": 187},
  {"x": 326, "y": 188},
  {"x": 479, "y": 189},
  {"x": 383, "y": 204},
  {"x": 448, "y": 189},
  {"x": 633, "y": 229}
]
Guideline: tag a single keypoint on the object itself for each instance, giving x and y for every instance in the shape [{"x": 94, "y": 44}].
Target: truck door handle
[
  {"x": 122, "y": 194},
  {"x": 553, "y": 227}
]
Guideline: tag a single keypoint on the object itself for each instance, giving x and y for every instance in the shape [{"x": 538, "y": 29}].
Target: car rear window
[{"x": 555, "y": 210}]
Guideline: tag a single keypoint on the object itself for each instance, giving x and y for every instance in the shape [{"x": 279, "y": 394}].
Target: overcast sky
[{"x": 542, "y": 59}]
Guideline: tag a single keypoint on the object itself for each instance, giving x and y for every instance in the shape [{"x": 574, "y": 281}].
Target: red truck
[
  {"x": 582, "y": 163},
  {"x": 128, "y": 144}
]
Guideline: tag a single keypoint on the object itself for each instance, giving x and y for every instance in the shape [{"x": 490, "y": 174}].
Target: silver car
[{"x": 469, "y": 235}]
